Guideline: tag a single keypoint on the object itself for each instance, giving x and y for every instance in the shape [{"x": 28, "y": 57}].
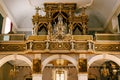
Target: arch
[
  {"x": 53, "y": 57},
  {"x": 12, "y": 57},
  {"x": 42, "y": 28},
  {"x": 104, "y": 56}
]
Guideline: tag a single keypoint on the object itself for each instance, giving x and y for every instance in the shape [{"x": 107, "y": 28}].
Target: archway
[
  {"x": 12, "y": 57},
  {"x": 96, "y": 62},
  {"x": 12, "y": 68},
  {"x": 53, "y": 57},
  {"x": 104, "y": 56},
  {"x": 59, "y": 66}
]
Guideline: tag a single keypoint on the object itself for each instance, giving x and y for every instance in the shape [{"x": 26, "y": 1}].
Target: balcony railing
[
  {"x": 12, "y": 37},
  {"x": 77, "y": 44}
]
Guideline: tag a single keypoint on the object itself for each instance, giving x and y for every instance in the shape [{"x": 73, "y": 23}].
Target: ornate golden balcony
[{"x": 42, "y": 44}]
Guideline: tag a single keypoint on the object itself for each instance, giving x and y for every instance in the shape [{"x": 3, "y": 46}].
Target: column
[
  {"x": 31, "y": 45},
  {"x": 37, "y": 68},
  {"x": 90, "y": 45},
  {"x": 47, "y": 45},
  {"x": 72, "y": 45},
  {"x": 82, "y": 67}
]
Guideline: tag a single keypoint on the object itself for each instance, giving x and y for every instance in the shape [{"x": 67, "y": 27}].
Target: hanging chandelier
[{"x": 15, "y": 69}]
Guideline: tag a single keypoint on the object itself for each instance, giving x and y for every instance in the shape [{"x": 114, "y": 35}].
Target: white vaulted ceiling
[{"x": 21, "y": 11}]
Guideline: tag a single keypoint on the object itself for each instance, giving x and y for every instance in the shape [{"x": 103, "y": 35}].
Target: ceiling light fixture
[{"x": 15, "y": 69}]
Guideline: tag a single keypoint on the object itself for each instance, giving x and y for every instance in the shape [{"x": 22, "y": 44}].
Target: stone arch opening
[
  {"x": 15, "y": 67},
  {"x": 12, "y": 57},
  {"x": 59, "y": 64},
  {"x": 95, "y": 64},
  {"x": 104, "y": 56},
  {"x": 53, "y": 57}
]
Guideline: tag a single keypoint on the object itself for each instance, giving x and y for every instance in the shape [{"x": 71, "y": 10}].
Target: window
[
  {"x": 1, "y": 22},
  {"x": 60, "y": 74},
  {"x": 6, "y": 38},
  {"x": 7, "y": 26},
  {"x": 119, "y": 23}
]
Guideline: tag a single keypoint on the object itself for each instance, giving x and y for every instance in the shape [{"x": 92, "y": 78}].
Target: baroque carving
[
  {"x": 12, "y": 47},
  {"x": 81, "y": 46},
  {"x": 60, "y": 46},
  {"x": 82, "y": 65},
  {"x": 59, "y": 26},
  {"x": 60, "y": 21},
  {"x": 37, "y": 66},
  {"x": 39, "y": 45},
  {"x": 107, "y": 47}
]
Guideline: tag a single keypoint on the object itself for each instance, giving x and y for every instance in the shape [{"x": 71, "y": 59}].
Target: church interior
[{"x": 59, "y": 40}]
